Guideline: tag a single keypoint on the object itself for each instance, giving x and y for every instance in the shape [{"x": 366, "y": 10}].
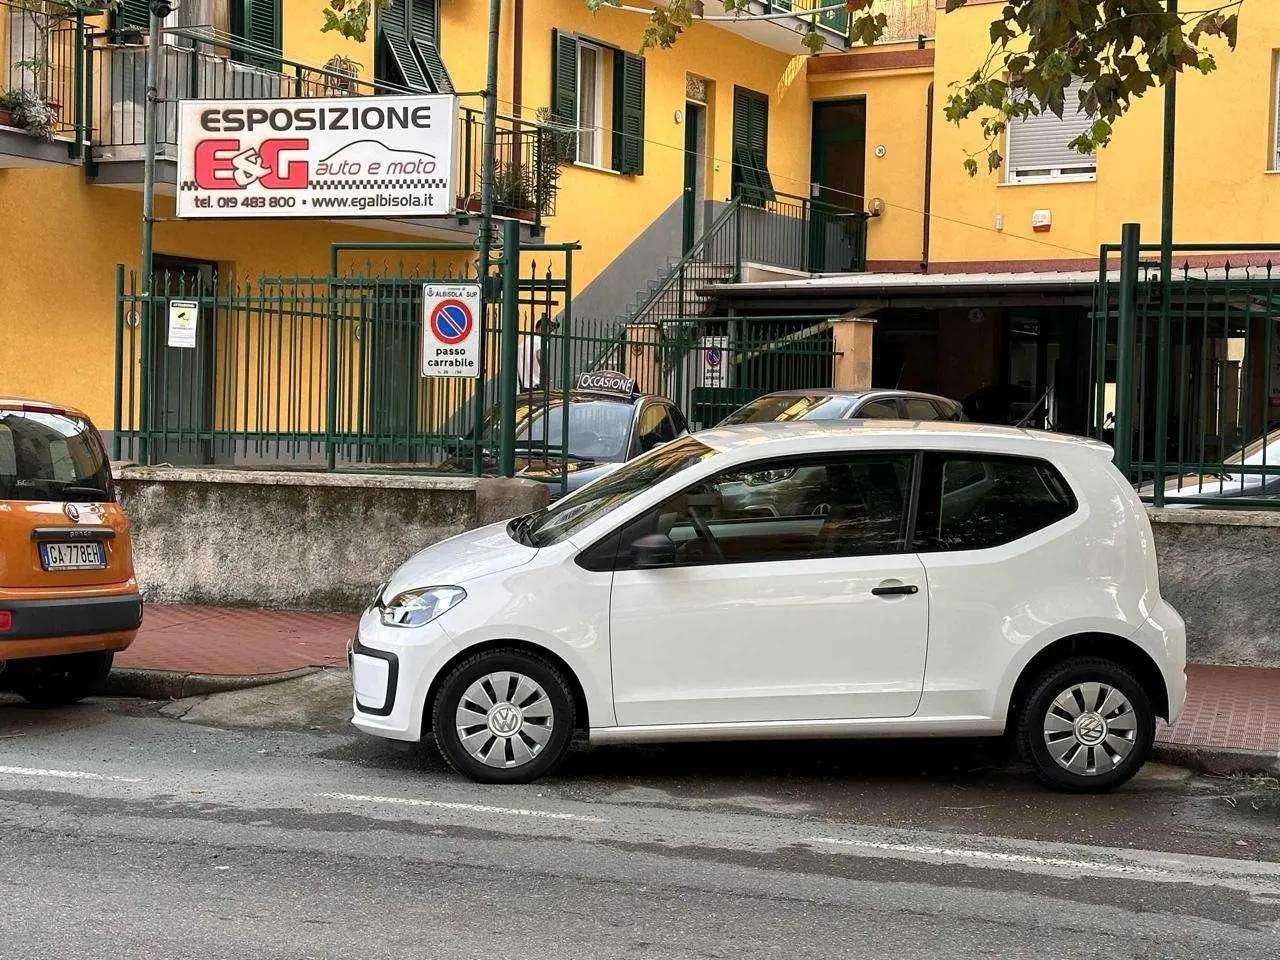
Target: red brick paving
[
  {"x": 234, "y": 642},
  {"x": 1236, "y": 707}
]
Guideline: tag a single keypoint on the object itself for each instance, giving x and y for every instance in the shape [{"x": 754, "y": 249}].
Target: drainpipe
[
  {"x": 517, "y": 57},
  {"x": 928, "y": 177}
]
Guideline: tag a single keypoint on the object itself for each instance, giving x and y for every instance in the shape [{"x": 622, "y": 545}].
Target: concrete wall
[
  {"x": 1219, "y": 569},
  {"x": 303, "y": 541}
]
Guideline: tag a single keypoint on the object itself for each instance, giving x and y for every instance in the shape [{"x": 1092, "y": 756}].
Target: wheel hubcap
[
  {"x": 1090, "y": 729},
  {"x": 504, "y": 719}
]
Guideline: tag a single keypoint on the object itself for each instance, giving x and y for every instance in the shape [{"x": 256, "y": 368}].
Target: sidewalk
[{"x": 1231, "y": 721}]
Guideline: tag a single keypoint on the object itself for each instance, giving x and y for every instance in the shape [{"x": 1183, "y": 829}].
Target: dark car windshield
[
  {"x": 51, "y": 456},
  {"x": 565, "y": 517},
  {"x": 598, "y": 428},
  {"x": 772, "y": 409}
]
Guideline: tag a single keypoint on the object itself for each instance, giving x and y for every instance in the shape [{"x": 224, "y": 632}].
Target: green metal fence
[{"x": 1190, "y": 399}]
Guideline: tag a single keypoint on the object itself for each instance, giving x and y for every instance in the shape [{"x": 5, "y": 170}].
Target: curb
[
  {"x": 172, "y": 685},
  {"x": 1221, "y": 761}
]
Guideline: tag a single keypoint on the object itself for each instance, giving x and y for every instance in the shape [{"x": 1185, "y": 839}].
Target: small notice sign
[
  {"x": 451, "y": 330},
  {"x": 184, "y": 320}
]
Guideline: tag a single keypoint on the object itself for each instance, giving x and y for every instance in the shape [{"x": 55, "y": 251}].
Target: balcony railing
[
  {"x": 799, "y": 233},
  {"x": 197, "y": 67},
  {"x": 40, "y": 49}
]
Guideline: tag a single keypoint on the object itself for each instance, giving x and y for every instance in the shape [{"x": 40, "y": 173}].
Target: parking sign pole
[{"x": 508, "y": 366}]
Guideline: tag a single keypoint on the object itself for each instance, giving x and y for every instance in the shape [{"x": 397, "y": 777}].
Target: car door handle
[{"x": 898, "y": 590}]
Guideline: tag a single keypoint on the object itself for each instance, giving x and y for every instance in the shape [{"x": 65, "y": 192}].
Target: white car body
[{"x": 799, "y": 647}]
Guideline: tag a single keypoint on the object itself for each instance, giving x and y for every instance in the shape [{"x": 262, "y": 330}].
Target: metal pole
[
  {"x": 1166, "y": 281},
  {"x": 1130, "y": 241},
  {"x": 486, "y": 221},
  {"x": 159, "y": 9},
  {"x": 507, "y": 365}
]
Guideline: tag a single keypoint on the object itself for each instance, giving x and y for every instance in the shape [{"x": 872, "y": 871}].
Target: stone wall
[
  {"x": 295, "y": 540},
  {"x": 1221, "y": 570}
]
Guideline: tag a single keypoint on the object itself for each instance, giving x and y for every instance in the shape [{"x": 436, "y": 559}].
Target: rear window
[
  {"x": 776, "y": 409},
  {"x": 50, "y": 456}
]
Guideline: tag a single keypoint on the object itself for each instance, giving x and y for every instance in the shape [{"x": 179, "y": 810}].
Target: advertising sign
[
  {"x": 317, "y": 157},
  {"x": 451, "y": 330}
]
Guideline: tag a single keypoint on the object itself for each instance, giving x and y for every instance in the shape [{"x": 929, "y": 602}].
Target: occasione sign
[{"x": 324, "y": 157}]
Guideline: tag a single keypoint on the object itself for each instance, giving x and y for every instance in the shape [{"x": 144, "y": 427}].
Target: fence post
[
  {"x": 510, "y": 346},
  {"x": 144, "y": 375},
  {"x": 77, "y": 149},
  {"x": 1130, "y": 242},
  {"x": 118, "y": 398},
  {"x": 737, "y": 238},
  {"x": 331, "y": 405}
]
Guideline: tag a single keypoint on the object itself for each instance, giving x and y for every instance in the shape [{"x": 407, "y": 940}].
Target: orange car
[{"x": 68, "y": 597}]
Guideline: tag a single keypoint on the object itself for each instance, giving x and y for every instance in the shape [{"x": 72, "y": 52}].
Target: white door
[{"x": 790, "y": 596}]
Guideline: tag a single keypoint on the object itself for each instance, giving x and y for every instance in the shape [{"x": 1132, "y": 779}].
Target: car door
[{"x": 778, "y": 615}]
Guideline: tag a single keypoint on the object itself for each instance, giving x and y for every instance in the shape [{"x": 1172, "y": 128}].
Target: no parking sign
[{"x": 451, "y": 330}]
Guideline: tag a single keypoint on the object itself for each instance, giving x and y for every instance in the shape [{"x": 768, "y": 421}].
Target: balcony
[
  {"x": 198, "y": 65},
  {"x": 40, "y": 61},
  {"x": 792, "y": 23}
]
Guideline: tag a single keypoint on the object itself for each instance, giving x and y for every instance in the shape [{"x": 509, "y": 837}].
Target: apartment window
[
  {"x": 751, "y": 179},
  {"x": 1038, "y": 146},
  {"x": 590, "y": 103},
  {"x": 409, "y": 46},
  {"x": 581, "y": 71}
]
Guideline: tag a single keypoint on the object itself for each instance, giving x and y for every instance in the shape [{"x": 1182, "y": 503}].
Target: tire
[
  {"x": 470, "y": 726},
  {"x": 1099, "y": 752},
  {"x": 58, "y": 681}
]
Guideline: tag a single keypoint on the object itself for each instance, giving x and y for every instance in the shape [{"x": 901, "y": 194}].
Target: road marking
[
  {"x": 962, "y": 853},
  {"x": 65, "y": 774},
  {"x": 467, "y": 807}
]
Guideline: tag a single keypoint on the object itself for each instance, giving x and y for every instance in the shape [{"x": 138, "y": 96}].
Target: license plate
[{"x": 73, "y": 556}]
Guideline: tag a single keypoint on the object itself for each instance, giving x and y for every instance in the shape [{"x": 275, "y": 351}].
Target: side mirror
[{"x": 654, "y": 550}]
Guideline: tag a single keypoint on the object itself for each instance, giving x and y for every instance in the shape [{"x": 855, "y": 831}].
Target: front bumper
[{"x": 391, "y": 672}]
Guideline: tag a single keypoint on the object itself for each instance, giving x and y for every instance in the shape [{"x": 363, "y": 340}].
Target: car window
[
  {"x": 588, "y": 504},
  {"x": 43, "y": 454},
  {"x": 797, "y": 509},
  {"x": 786, "y": 407},
  {"x": 919, "y": 408},
  {"x": 598, "y": 429},
  {"x": 973, "y": 503},
  {"x": 654, "y": 427},
  {"x": 678, "y": 426},
  {"x": 878, "y": 410}
]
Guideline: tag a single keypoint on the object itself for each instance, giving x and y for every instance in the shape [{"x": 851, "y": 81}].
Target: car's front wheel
[
  {"x": 1087, "y": 726},
  {"x": 58, "y": 681},
  {"x": 503, "y": 716}
]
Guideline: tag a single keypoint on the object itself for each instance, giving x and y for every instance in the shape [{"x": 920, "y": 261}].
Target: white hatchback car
[{"x": 947, "y": 580}]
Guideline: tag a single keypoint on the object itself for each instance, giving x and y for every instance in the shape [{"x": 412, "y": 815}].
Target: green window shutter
[
  {"x": 257, "y": 23},
  {"x": 424, "y": 36},
  {"x": 564, "y": 78},
  {"x": 131, "y": 15},
  {"x": 398, "y": 64},
  {"x": 751, "y": 146},
  {"x": 628, "y": 112}
]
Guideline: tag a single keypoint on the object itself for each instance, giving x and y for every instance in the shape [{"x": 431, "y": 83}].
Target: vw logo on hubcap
[
  {"x": 1091, "y": 729},
  {"x": 504, "y": 720}
]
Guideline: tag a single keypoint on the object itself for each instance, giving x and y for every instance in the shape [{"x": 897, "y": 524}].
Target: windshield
[
  {"x": 782, "y": 408},
  {"x": 565, "y": 517},
  {"x": 43, "y": 455},
  {"x": 598, "y": 429}
]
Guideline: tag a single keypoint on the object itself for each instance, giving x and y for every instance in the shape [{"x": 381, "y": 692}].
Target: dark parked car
[{"x": 827, "y": 404}]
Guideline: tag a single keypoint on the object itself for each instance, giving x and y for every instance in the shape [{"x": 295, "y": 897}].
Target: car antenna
[{"x": 1032, "y": 412}]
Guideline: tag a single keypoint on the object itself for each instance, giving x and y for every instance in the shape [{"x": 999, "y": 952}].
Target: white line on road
[
  {"x": 961, "y": 853},
  {"x": 64, "y": 774},
  {"x": 468, "y": 807}
]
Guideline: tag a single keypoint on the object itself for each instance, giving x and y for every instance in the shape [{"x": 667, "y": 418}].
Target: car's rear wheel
[
  {"x": 58, "y": 681},
  {"x": 1087, "y": 726},
  {"x": 503, "y": 716}
]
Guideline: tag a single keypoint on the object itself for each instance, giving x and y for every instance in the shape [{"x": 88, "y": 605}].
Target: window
[
  {"x": 656, "y": 426},
  {"x": 590, "y": 103},
  {"x": 796, "y": 509},
  {"x": 973, "y": 503},
  {"x": 409, "y": 46},
  {"x": 257, "y": 24},
  {"x": 788, "y": 407},
  {"x": 580, "y": 72},
  {"x": 751, "y": 178},
  {"x": 921, "y": 409},
  {"x": 1038, "y": 146},
  {"x": 879, "y": 410},
  {"x": 41, "y": 454}
]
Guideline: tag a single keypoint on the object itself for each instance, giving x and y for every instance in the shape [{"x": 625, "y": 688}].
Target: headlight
[{"x": 413, "y": 608}]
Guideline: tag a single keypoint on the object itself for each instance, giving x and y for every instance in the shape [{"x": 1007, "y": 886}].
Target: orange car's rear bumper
[{"x": 42, "y": 628}]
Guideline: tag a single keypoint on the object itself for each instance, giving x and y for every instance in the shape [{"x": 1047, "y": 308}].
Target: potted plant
[
  {"x": 32, "y": 114},
  {"x": 346, "y": 70}
]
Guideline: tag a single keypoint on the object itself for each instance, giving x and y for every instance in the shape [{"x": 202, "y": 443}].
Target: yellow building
[{"x": 793, "y": 184}]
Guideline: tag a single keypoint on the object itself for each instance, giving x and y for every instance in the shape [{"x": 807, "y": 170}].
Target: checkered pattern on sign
[{"x": 420, "y": 183}]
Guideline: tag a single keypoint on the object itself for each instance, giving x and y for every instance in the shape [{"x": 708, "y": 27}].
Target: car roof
[
  {"x": 854, "y": 394},
  {"x": 43, "y": 406},
  {"x": 808, "y": 436}
]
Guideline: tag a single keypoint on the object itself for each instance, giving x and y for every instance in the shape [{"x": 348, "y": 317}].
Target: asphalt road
[{"x": 127, "y": 834}]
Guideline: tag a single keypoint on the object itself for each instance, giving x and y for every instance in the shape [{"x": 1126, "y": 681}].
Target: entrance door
[
  {"x": 392, "y": 350},
  {"x": 839, "y": 176},
  {"x": 791, "y": 597},
  {"x": 182, "y": 377},
  {"x": 695, "y": 173}
]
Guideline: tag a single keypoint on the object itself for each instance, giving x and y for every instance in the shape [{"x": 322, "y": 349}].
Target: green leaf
[
  {"x": 813, "y": 41},
  {"x": 971, "y": 166}
]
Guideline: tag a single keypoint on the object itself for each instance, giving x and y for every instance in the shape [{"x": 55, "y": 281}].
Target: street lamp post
[{"x": 1163, "y": 337}]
